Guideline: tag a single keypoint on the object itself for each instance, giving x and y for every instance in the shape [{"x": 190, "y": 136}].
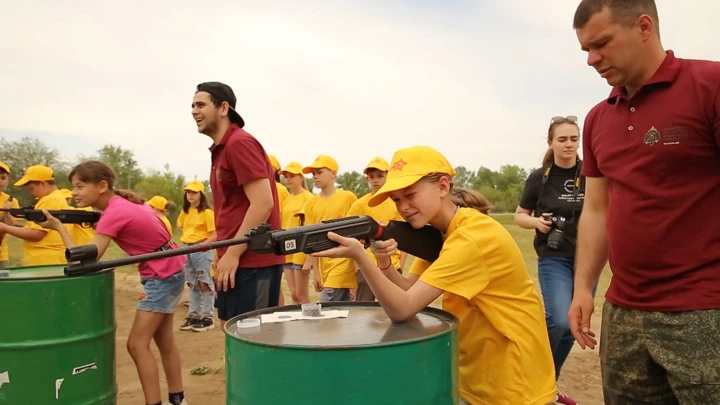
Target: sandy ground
[{"x": 580, "y": 377}]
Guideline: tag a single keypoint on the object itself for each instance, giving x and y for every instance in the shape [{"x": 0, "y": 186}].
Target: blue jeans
[
  {"x": 557, "y": 276},
  {"x": 197, "y": 271}
]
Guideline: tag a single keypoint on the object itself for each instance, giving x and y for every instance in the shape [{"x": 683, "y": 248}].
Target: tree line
[{"x": 502, "y": 187}]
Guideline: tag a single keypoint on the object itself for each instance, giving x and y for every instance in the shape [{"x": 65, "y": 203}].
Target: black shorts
[{"x": 255, "y": 288}]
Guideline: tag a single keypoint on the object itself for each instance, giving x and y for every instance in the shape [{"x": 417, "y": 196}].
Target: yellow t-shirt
[
  {"x": 50, "y": 249},
  {"x": 166, "y": 221},
  {"x": 4, "y": 254},
  {"x": 383, "y": 213},
  {"x": 293, "y": 204},
  {"x": 505, "y": 356},
  {"x": 335, "y": 273},
  {"x": 196, "y": 226},
  {"x": 83, "y": 234},
  {"x": 283, "y": 194}
]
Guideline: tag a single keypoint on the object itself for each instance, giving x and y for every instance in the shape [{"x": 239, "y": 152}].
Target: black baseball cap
[{"x": 223, "y": 92}]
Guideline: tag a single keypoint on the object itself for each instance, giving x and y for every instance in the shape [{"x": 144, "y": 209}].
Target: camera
[{"x": 556, "y": 237}]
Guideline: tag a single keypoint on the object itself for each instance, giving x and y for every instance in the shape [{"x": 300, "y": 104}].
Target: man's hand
[
  {"x": 225, "y": 271},
  {"x": 579, "y": 315}
]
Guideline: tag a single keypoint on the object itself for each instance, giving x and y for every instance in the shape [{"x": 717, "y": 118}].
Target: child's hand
[
  {"x": 50, "y": 221},
  {"x": 384, "y": 249},
  {"x": 350, "y": 248}
]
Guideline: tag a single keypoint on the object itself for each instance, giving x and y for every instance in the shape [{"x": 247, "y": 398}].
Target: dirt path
[{"x": 580, "y": 379}]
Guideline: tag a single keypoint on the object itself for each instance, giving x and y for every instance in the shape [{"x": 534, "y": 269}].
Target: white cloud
[{"x": 477, "y": 81}]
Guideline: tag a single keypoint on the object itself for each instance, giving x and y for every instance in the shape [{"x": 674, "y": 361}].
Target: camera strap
[{"x": 546, "y": 174}]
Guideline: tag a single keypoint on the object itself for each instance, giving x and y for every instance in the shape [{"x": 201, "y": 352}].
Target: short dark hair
[{"x": 624, "y": 12}]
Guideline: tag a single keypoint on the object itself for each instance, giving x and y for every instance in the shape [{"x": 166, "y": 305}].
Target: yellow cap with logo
[
  {"x": 293, "y": 168},
  {"x": 5, "y": 167},
  {"x": 320, "y": 162},
  {"x": 408, "y": 166},
  {"x": 196, "y": 186},
  {"x": 377, "y": 163},
  {"x": 274, "y": 162},
  {"x": 158, "y": 202},
  {"x": 66, "y": 193},
  {"x": 35, "y": 173}
]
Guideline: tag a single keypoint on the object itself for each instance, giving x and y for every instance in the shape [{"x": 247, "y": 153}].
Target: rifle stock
[{"x": 424, "y": 243}]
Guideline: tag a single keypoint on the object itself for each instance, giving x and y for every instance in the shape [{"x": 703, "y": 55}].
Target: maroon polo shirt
[
  {"x": 237, "y": 160},
  {"x": 660, "y": 151}
]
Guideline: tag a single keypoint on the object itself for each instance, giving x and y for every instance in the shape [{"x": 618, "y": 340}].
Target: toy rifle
[
  {"x": 424, "y": 243},
  {"x": 65, "y": 216}
]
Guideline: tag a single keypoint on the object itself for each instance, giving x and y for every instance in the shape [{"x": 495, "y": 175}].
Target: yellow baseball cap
[
  {"x": 5, "y": 167},
  {"x": 35, "y": 173},
  {"x": 292, "y": 167},
  {"x": 274, "y": 162},
  {"x": 320, "y": 162},
  {"x": 66, "y": 193},
  {"x": 158, "y": 202},
  {"x": 408, "y": 166},
  {"x": 196, "y": 186},
  {"x": 377, "y": 163}
]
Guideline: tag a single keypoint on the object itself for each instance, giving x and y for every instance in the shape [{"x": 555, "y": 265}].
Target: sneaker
[
  {"x": 187, "y": 325},
  {"x": 184, "y": 402},
  {"x": 202, "y": 325},
  {"x": 563, "y": 399}
]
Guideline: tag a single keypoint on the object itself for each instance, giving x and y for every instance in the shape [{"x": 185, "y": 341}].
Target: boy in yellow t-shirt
[
  {"x": 282, "y": 191},
  {"x": 6, "y": 201},
  {"x": 297, "y": 278},
  {"x": 40, "y": 246},
  {"x": 82, "y": 234},
  {"x": 333, "y": 277},
  {"x": 160, "y": 204},
  {"x": 503, "y": 346},
  {"x": 376, "y": 173}
]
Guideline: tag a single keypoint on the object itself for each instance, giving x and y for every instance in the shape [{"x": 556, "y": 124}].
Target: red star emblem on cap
[{"x": 398, "y": 165}]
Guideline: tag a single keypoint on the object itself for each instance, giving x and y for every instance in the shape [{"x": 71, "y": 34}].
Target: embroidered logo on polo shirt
[
  {"x": 673, "y": 135},
  {"x": 652, "y": 137}
]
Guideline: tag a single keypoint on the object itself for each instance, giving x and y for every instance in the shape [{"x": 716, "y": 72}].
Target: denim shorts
[
  {"x": 161, "y": 295},
  {"x": 293, "y": 266}
]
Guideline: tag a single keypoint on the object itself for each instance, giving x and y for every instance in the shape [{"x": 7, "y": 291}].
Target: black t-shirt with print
[{"x": 559, "y": 198}]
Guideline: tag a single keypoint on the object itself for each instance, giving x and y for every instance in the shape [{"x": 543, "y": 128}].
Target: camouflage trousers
[{"x": 660, "y": 358}]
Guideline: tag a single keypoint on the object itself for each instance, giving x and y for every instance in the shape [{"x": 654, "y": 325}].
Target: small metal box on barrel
[
  {"x": 57, "y": 339},
  {"x": 352, "y": 354}
]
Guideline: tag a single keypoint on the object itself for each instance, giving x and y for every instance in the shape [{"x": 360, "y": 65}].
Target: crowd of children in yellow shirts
[{"x": 504, "y": 351}]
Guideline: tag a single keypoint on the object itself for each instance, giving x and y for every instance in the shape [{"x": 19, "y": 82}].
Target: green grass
[{"x": 522, "y": 237}]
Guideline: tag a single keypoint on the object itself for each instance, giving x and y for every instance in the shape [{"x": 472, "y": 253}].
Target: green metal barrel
[
  {"x": 362, "y": 359},
  {"x": 57, "y": 337}
]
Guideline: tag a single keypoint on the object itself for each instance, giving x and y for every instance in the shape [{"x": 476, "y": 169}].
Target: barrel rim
[
  {"x": 442, "y": 314},
  {"x": 45, "y": 266}
]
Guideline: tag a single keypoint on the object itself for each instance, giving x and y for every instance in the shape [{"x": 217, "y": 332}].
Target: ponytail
[
  {"x": 549, "y": 157},
  {"x": 463, "y": 196},
  {"x": 469, "y": 198},
  {"x": 130, "y": 196}
]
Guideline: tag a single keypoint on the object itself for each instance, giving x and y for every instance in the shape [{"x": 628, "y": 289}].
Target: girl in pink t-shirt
[{"x": 135, "y": 228}]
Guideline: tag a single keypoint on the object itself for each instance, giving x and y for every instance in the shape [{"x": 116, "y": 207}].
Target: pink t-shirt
[{"x": 137, "y": 230}]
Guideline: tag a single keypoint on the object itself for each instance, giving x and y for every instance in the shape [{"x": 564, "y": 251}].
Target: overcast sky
[{"x": 478, "y": 80}]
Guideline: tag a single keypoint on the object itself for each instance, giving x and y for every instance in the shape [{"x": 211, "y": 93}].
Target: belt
[{"x": 167, "y": 246}]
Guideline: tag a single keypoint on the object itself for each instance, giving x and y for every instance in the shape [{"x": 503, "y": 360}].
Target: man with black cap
[{"x": 242, "y": 181}]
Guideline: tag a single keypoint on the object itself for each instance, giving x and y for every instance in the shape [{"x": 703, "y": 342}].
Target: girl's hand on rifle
[
  {"x": 348, "y": 248},
  {"x": 50, "y": 221},
  {"x": 382, "y": 250}
]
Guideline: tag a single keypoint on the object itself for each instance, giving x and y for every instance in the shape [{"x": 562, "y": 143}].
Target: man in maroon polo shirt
[
  {"x": 244, "y": 195},
  {"x": 652, "y": 161}
]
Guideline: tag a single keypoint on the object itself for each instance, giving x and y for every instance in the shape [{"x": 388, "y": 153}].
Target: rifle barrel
[{"x": 78, "y": 269}]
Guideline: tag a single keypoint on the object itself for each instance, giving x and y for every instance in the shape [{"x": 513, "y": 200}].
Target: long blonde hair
[{"x": 462, "y": 196}]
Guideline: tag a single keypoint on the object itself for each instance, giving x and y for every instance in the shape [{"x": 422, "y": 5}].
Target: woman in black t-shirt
[{"x": 551, "y": 204}]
